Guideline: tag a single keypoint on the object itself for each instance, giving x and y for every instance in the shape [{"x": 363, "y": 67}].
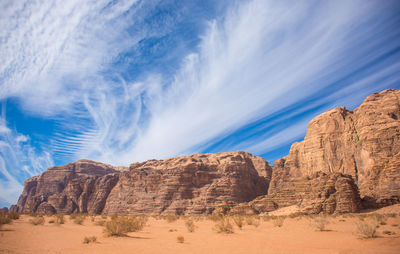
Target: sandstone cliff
[
  {"x": 183, "y": 185},
  {"x": 363, "y": 143}
]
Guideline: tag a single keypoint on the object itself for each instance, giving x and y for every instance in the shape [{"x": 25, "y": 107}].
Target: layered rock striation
[
  {"x": 193, "y": 184},
  {"x": 363, "y": 143}
]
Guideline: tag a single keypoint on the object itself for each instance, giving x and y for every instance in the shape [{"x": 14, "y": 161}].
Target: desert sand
[{"x": 297, "y": 235}]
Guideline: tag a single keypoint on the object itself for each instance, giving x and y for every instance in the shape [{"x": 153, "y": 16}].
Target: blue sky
[{"x": 126, "y": 81}]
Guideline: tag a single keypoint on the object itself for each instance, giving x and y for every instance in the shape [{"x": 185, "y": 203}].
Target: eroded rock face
[
  {"x": 326, "y": 193},
  {"x": 363, "y": 143},
  {"x": 82, "y": 186},
  {"x": 192, "y": 184}
]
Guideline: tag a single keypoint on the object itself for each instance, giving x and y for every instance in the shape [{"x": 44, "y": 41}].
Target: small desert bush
[
  {"x": 224, "y": 226},
  {"x": 238, "y": 221},
  {"x": 59, "y": 219},
  {"x": 37, "y": 220},
  {"x": 171, "y": 218},
  {"x": 278, "y": 221},
  {"x": 180, "y": 239},
  {"x": 190, "y": 225},
  {"x": 253, "y": 221},
  {"x": 104, "y": 216},
  {"x": 52, "y": 221},
  {"x": 320, "y": 222},
  {"x": 90, "y": 239},
  {"x": 366, "y": 229},
  {"x": 387, "y": 232},
  {"x": 100, "y": 223},
  {"x": 79, "y": 220},
  {"x": 215, "y": 217},
  {"x": 4, "y": 219},
  {"x": 13, "y": 215},
  {"x": 121, "y": 225}
]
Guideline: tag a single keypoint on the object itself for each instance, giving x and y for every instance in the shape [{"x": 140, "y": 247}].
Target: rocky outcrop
[
  {"x": 363, "y": 143},
  {"x": 193, "y": 184},
  {"x": 4, "y": 210},
  {"x": 326, "y": 193},
  {"x": 82, "y": 186}
]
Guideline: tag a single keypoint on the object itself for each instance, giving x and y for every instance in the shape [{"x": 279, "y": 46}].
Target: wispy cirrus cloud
[{"x": 134, "y": 80}]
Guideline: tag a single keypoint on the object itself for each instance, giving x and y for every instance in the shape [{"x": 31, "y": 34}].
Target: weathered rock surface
[
  {"x": 4, "y": 210},
  {"x": 363, "y": 143},
  {"x": 327, "y": 193},
  {"x": 82, "y": 186},
  {"x": 183, "y": 185}
]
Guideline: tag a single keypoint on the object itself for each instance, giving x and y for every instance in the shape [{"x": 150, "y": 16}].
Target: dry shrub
[
  {"x": 37, "y": 220},
  {"x": 215, "y": 217},
  {"x": 121, "y": 225},
  {"x": 104, "y": 216},
  {"x": 238, "y": 221},
  {"x": 4, "y": 219},
  {"x": 224, "y": 226},
  {"x": 51, "y": 221},
  {"x": 387, "y": 232},
  {"x": 278, "y": 221},
  {"x": 171, "y": 218},
  {"x": 100, "y": 223},
  {"x": 320, "y": 223},
  {"x": 190, "y": 225},
  {"x": 253, "y": 221},
  {"x": 366, "y": 229},
  {"x": 180, "y": 239},
  {"x": 59, "y": 219},
  {"x": 13, "y": 215},
  {"x": 90, "y": 239}
]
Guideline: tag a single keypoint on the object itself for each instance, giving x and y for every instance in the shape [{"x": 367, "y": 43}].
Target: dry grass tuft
[
  {"x": 366, "y": 229},
  {"x": 37, "y": 220},
  {"x": 224, "y": 226},
  {"x": 180, "y": 239},
  {"x": 90, "y": 239},
  {"x": 190, "y": 225},
  {"x": 320, "y": 222},
  {"x": 278, "y": 221},
  {"x": 4, "y": 219},
  {"x": 238, "y": 221},
  {"x": 60, "y": 219},
  {"x": 13, "y": 215},
  {"x": 121, "y": 225},
  {"x": 171, "y": 218}
]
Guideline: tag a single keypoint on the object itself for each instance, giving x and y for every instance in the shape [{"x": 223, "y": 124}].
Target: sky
[{"x": 126, "y": 81}]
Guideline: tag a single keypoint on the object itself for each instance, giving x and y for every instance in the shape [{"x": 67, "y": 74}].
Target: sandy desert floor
[{"x": 296, "y": 235}]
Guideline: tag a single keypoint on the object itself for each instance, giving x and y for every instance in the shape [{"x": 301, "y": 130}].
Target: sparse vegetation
[
  {"x": 78, "y": 218},
  {"x": 253, "y": 221},
  {"x": 278, "y": 221},
  {"x": 121, "y": 225},
  {"x": 4, "y": 219},
  {"x": 37, "y": 220},
  {"x": 180, "y": 239},
  {"x": 387, "y": 232},
  {"x": 13, "y": 215},
  {"x": 224, "y": 226},
  {"x": 320, "y": 222},
  {"x": 366, "y": 229},
  {"x": 90, "y": 239},
  {"x": 59, "y": 219},
  {"x": 191, "y": 227},
  {"x": 51, "y": 221},
  {"x": 171, "y": 218},
  {"x": 238, "y": 221}
]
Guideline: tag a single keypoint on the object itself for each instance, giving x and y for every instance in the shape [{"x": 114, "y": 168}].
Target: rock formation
[
  {"x": 347, "y": 160},
  {"x": 184, "y": 185},
  {"x": 363, "y": 143}
]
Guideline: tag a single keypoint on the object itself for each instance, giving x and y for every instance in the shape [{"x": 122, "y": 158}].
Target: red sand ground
[{"x": 295, "y": 236}]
